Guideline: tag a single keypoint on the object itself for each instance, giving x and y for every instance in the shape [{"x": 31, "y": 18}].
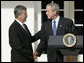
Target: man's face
[
  {"x": 50, "y": 14},
  {"x": 23, "y": 16}
]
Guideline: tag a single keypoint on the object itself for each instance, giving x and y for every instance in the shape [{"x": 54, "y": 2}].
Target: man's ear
[
  {"x": 55, "y": 12},
  {"x": 19, "y": 15}
]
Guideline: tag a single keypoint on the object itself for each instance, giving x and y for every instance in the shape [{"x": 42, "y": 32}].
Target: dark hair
[{"x": 18, "y": 10}]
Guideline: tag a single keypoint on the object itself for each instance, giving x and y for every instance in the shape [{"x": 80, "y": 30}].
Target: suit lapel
[
  {"x": 59, "y": 26},
  {"x": 27, "y": 30},
  {"x": 21, "y": 28},
  {"x": 50, "y": 28}
]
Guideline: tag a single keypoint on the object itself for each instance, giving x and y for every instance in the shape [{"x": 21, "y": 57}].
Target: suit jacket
[
  {"x": 65, "y": 25},
  {"x": 21, "y": 43}
]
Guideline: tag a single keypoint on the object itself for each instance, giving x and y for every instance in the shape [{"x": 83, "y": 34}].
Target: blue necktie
[{"x": 54, "y": 28}]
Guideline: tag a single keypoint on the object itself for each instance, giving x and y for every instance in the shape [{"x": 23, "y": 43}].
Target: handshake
[{"x": 35, "y": 55}]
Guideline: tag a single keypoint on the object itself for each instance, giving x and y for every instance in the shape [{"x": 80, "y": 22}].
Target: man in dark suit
[
  {"x": 56, "y": 26},
  {"x": 20, "y": 38}
]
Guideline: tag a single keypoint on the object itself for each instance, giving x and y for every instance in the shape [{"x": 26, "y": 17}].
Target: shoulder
[
  {"x": 46, "y": 23},
  {"x": 13, "y": 25},
  {"x": 66, "y": 20}
]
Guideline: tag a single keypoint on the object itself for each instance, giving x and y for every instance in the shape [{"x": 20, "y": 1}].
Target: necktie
[
  {"x": 25, "y": 27},
  {"x": 54, "y": 28}
]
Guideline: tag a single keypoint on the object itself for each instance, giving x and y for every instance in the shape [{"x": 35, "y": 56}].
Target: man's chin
[
  {"x": 49, "y": 18},
  {"x": 25, "y": 21}
]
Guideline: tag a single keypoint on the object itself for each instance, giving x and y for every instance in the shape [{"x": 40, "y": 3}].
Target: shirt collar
[
  {"x": 57, "y": 19},
  {"x": 19, "y": 22}
]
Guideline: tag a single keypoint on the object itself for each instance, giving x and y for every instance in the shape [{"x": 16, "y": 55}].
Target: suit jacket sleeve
[
  {"x": 42, "y": 45},
  {"x": 36, "y": 36}
]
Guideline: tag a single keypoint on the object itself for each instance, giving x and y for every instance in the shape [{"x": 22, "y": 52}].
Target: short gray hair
[
  {"x": 54, "y": 6},
  {"x": 18, "y": 10}
]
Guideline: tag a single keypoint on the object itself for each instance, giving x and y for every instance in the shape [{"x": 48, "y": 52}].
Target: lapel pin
[{"x": 60, "y": 25}]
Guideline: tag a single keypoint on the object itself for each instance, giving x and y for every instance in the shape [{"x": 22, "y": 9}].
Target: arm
[
  {"x": 42, "y": 44},
  {"x": 36, "y": 36}
]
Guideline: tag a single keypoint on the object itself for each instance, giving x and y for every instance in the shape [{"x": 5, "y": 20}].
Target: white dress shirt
[
  {"x": 20, "y": 23},
  {"x": 57, "y": 21}
]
